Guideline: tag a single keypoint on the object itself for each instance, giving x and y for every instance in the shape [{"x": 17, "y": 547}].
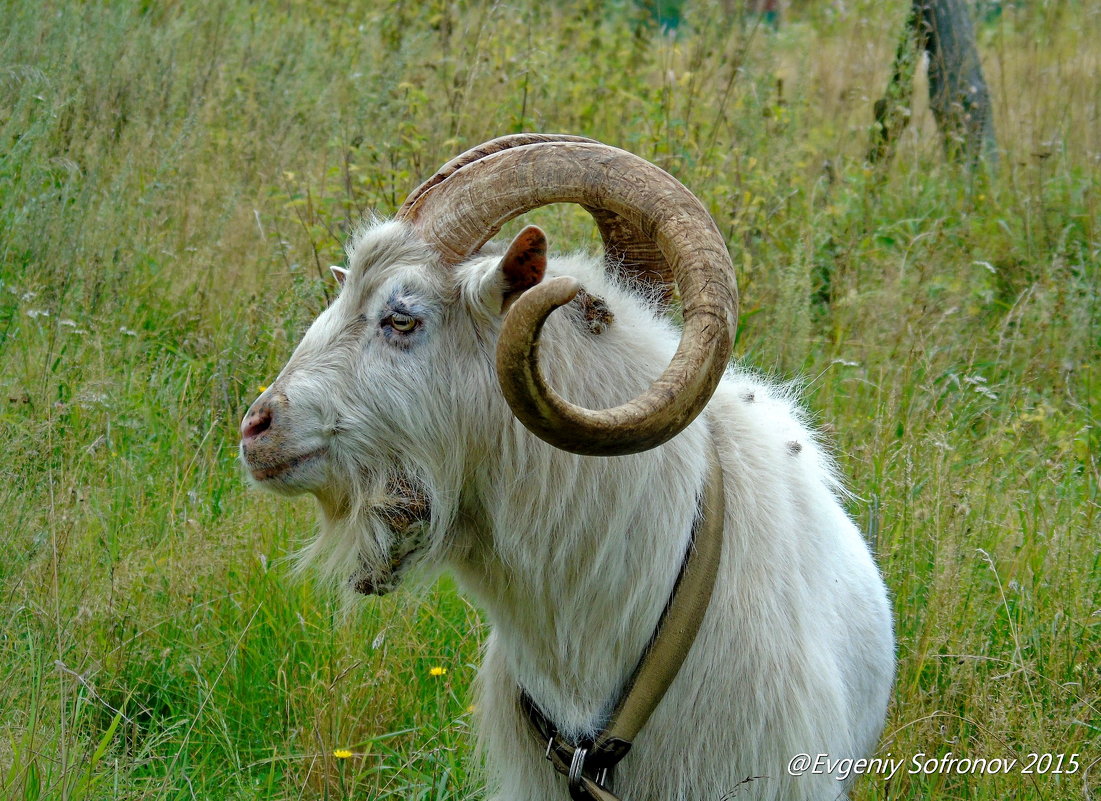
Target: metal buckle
[
  {"x": 575, "y": 774},
  {"x": 577, "y": 770}
]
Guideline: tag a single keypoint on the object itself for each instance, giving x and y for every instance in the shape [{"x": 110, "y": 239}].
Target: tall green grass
[{"x": 174, "y": 178}]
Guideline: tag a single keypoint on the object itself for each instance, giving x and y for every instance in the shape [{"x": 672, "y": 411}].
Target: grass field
[{"x": 174, "y": 180}]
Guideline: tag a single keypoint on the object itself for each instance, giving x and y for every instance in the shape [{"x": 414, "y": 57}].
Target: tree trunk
[{"x": 958, "y": 96}]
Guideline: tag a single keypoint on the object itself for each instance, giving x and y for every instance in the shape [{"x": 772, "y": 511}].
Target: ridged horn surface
[
  {"x": 462, "y": 210},
  {"x": 627, "y": 250}
]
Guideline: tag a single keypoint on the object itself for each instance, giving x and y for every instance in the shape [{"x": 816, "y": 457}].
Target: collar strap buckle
[
  {"x": 586, "y": 765},
  {"x": 577, "y": 773}
]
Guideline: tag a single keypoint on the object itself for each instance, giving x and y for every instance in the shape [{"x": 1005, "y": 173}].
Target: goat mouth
[{"x": 267, "y": 472}]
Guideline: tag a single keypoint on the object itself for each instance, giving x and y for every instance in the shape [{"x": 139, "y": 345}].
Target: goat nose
[{"x": 256, "y": 422}]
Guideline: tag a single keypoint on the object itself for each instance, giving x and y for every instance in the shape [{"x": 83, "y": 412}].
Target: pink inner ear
[{"x": 525, "y": 263}]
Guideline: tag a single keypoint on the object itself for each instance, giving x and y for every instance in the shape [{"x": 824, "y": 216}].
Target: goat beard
[
  {"x": 371, "y": 537},
  {"x": 405, "y": 513}
]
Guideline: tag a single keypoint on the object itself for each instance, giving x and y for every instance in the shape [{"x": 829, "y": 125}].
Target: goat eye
[{"x": 402, "y": 322}]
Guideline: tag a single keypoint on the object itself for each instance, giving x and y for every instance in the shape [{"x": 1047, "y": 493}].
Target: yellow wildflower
[
  {"x": 437, "y": 671},
  {"x": 342, "y": 753},
  {"x": 263, "y": 388}
]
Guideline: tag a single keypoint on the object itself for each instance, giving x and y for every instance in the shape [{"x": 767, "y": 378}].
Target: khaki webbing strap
[
  {"x": 681, "y": 619},
  {"x": 660, "y": 662}
]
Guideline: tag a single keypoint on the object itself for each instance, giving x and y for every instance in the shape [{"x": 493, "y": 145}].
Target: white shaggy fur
[{"x": 573, "y": 557}]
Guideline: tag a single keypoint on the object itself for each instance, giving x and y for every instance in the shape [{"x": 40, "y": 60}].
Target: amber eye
[{"x": 402, "y": 322}]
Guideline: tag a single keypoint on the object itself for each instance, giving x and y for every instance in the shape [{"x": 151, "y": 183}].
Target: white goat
[{"x": 390, "y": 413}]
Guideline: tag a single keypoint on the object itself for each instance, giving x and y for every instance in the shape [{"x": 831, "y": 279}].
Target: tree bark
[{"x": 958, "y": 96}]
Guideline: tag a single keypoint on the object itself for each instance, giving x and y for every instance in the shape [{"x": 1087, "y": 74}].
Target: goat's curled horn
[{"x": 650, "y": 223}]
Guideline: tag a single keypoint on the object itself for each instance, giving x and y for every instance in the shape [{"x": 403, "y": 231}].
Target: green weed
[{"x": 175, "y": 180}]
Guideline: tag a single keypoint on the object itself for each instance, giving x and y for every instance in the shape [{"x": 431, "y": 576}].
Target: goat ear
[
  {"x": 340, "y": 274},
  {"x": 524, "y": 265}
]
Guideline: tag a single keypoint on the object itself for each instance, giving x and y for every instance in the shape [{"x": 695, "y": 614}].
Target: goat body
[{"x": 574, "y": 557}]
